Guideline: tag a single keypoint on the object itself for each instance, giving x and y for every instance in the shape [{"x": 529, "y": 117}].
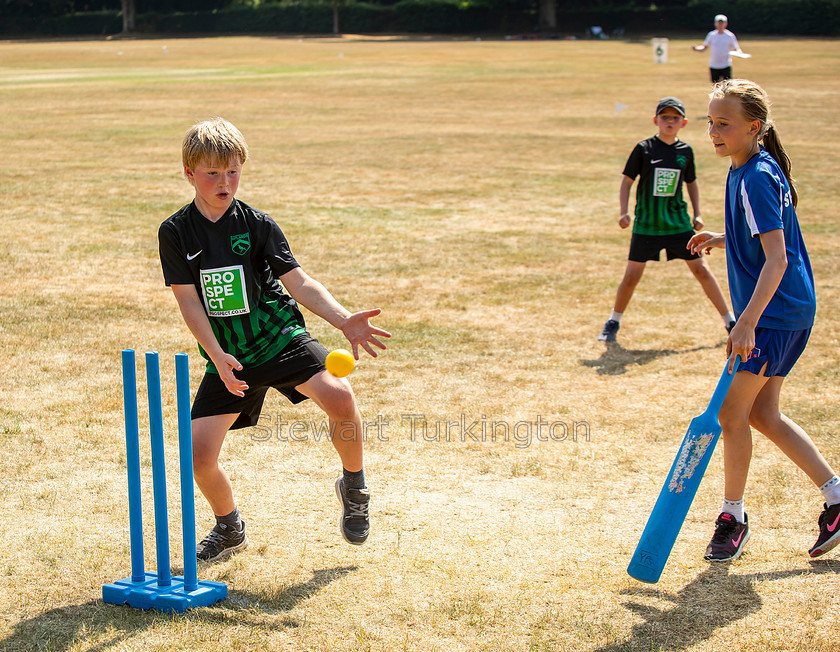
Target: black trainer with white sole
[
  {"x": 355, "y": 516},
  {"x": 610, "y": 331},
  {"x": 221, "y": 543}
]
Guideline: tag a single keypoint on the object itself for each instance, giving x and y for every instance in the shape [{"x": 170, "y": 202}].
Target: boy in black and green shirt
[
  {"x": 663, "y": 164},
  {"x": 228, "y": 265}
]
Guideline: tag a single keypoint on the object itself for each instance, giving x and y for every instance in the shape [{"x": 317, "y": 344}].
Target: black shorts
[
  {"x": 720, "y": 74},
  {"x": 647, "y": 247},
  {"x": 301, "y": 359}
]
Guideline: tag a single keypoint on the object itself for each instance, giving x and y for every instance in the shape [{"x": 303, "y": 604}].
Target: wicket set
[{"x": 149, "y": 590}]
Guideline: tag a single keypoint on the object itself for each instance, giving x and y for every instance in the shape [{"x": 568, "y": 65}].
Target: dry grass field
[{"x": 469, "y": 189}]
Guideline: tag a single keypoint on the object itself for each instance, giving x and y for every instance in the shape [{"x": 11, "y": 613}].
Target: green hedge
[
  {"x": 446, "y": 17},
  {"x": 415, "y": 16},
  {"x": 293, "y": 18},
  {"x": 785, "y": 17},
  {"x": 781, "y": 17},
  {"x": 94, "y": 23}
]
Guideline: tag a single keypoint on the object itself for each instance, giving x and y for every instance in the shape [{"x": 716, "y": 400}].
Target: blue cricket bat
[{"x": 680, "y": 487}]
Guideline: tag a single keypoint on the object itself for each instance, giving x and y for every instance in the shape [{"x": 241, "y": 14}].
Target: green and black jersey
[
  {"x": 661, "y": 168},
  {"x": 234, "y": 264}
]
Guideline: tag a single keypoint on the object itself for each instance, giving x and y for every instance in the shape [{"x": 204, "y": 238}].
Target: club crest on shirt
[
  {"x": 240, "y": 244},
  {"x": 682, "y": 161}
]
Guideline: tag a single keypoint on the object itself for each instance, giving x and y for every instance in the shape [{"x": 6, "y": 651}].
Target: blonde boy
[{"x": 238, "y": 287}]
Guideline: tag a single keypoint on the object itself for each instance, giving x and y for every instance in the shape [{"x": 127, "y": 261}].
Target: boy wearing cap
[
  {"x": 663, "y": 164},
  {"x": 720, "y": 42}
]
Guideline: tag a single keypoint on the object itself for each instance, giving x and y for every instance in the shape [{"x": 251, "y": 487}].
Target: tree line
[{"x": 550, "y": 17}]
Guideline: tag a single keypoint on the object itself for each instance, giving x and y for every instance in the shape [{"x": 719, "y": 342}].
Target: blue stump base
[{"x": 171, "y": 599}]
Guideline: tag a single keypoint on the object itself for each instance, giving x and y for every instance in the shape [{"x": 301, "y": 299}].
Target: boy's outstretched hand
[
  {"x": 226, "y": 366},
  {"x": 360, "y": 332}
]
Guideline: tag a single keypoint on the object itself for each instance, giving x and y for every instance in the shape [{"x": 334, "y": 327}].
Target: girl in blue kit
[{"x": 772, "y": 290}]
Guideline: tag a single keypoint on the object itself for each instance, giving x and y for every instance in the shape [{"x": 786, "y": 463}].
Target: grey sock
[
  {"x": 230, "y": 521},
  {"x": 354, "y": 479}
]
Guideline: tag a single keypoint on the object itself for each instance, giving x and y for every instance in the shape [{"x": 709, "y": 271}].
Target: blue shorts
[{"x": 779, "y": 350}]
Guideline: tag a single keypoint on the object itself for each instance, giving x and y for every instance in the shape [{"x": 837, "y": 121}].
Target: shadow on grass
[
  {"x": 107, "y": 625},
  {"x": 615, "y": 359},
  {"x": 713, "y": 600}
]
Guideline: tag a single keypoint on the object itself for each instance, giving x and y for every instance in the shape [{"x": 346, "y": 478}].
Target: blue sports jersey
[{"x": 758, "y": 200}]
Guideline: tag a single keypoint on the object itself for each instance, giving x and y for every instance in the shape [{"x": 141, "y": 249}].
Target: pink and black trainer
[
  {"x": 729, "y": 538},
  {"x": 829, "y": 531}
]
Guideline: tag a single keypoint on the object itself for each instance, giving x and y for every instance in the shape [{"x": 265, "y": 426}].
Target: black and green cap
[{"x": 670, "y": 102}]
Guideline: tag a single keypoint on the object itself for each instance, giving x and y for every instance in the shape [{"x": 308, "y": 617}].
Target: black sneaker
[
  {"x": 729, "y": 539},
  {"x": 610, "y": 331},
  {"x": 730, "y": 326},
  {"x": 829, "y": 531},
  {"x": 355, "y": 520},
  {"x": 221, "y": 543}
]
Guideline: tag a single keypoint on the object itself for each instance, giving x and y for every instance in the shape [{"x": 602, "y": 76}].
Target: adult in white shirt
[{"x": 720, "y": 42}]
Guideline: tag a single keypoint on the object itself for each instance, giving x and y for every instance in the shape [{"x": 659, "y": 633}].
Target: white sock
[
  {"x": 616, "y": 316},
  {"x": 831, "y": 491},
  {"x": 728, "y": 318},
  {"x": 734, "y": 507}
]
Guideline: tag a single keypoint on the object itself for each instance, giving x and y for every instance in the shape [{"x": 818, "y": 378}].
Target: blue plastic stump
[
  {"x": 158, "y": 469},
  {"x": 132, "y": 456},
  {"x": 182, "y": 377},
  {"x": 147, "y": 590}
]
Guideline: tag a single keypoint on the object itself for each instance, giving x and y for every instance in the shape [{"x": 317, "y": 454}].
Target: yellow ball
[{"x": 340, "y": 363}]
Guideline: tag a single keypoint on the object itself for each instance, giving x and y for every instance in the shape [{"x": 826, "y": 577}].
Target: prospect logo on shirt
[
  {"x": 223, "y": 290},
  {"x": 665, "y": 182}
]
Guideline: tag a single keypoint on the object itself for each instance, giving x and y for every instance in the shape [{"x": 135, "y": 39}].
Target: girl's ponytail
[{"x": 773, "y": 145}]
